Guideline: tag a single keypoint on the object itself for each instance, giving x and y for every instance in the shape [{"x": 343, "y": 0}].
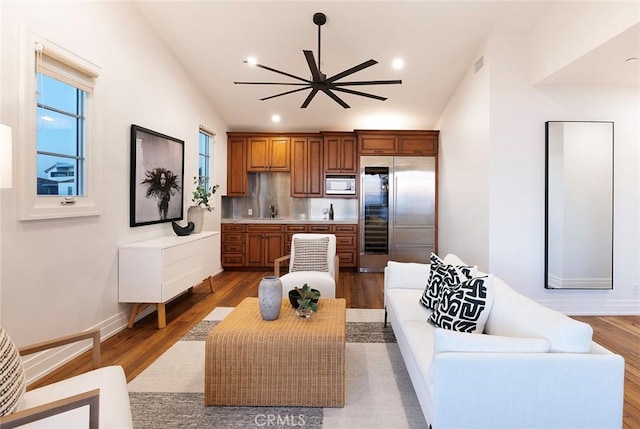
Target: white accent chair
[
  {"x": 324, "y": 281},
  {"x": 95, "y": 399}
]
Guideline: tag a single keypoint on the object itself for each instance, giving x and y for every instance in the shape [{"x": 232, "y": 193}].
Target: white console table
[{"x": 152, "y": 272}]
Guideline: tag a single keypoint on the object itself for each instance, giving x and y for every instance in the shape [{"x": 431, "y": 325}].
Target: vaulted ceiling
[{"x": 438, "y": 41}]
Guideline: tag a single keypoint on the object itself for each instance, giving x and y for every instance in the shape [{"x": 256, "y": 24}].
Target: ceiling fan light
[
  {"x": 397, "y": 64},
  {"x": 252, "y": 61}
]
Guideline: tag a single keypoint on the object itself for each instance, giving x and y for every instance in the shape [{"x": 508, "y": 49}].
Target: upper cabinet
[
  {"x": 306, "y": 166},
  {"x": 310, "y": 157},
  {"x": 268, "y": 154},
  {"x": 340, "y": 153},
  {"x": 391, "y": 142},
  {"x": 376, "y": 143},
  {"x": 236, "y": 166}
]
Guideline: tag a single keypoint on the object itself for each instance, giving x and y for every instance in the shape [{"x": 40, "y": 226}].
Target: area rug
[{"x": 170, "y": 392}]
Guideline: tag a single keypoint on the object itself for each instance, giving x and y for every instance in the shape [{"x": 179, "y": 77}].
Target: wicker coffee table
[{"x": 287, "y": 361}]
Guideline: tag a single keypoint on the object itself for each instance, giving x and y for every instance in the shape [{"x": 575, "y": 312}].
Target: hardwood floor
[{"x": 136, "y": 348}]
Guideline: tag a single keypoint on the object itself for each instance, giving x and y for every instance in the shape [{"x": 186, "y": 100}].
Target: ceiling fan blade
[
  {"x": 362, "y": 94},
  {"x": 352, "y": 70},
  {"x": 285, "y": 93},
  {"x": 367, "y": 82},
  {"x": 271, "y": 83},
  {"x": 307, "y": 100},
  {"x": 311, "y": 61},
  {"x": 280, "y": 72},
  {"x": 335, "y": 98}
]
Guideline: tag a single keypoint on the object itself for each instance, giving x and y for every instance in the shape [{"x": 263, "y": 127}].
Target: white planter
[{"x": 195, "y": 214}]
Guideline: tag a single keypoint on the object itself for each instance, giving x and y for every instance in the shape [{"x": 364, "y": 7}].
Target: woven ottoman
[{"x": 287, "y": 361}]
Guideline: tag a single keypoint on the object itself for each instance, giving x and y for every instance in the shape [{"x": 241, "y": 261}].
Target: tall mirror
[{"x": 579, "y": 205}]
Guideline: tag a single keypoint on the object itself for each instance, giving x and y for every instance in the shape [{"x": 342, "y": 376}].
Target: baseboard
[
  {"x": 41, "y": 364},
  {"x": 617, "y": 307}
]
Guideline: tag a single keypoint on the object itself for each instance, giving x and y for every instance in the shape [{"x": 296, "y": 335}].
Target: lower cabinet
[
  {"x": 233, "y": 245},
  {"x": 258, "y": 245},
  {"x": 265, "y": 243},
  {"x": 347, "y": 245}
]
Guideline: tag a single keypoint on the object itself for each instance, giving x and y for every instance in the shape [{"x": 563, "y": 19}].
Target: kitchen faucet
[{"x": 272, "y": 211}]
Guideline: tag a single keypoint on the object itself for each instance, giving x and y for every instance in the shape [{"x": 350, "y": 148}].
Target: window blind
[{"x": 65, "y": 67}]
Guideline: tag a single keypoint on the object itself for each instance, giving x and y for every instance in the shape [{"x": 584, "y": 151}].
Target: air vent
[{"x": 478, "y": 64}]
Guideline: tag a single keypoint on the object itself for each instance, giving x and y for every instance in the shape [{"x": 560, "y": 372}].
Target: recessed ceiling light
[
  {"x": 397, "y": 63},
  {"x": 275, "y": 118},
  {"x": 252, "y": 61},
  {"x": 631, "y": 59}
]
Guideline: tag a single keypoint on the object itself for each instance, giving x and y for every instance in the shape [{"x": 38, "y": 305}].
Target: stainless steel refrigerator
[{"x": 397, "y": 210}]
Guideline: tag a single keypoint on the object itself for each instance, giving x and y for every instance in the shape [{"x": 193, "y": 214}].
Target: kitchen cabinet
[
  {"x": 400, "y": 142},
  {"x": 421, "y": 143},
  {"x": 289, "y": 230},
  {"x": 376, "y": 143},
  {"x": 264, "y": 243},
  {"x": 233, "y": 245},
  {"x": 347, "y": 245},
  {"x": 268, "y": 154},
  {"x": 306, "y": 167},
  {"x": 152, "y": 272},
  {"x": 236, "y": 167},
  {"x": 340, "y": 153}
]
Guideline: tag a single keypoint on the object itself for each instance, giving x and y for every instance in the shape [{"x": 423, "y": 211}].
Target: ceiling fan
[{"x": 319, "y": 81}]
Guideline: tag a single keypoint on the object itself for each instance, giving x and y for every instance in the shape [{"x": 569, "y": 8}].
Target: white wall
[
  {"x": 514, "y": 198},
  {"x": 568, "y": 30},
  {"x": 463, "y": 170},
  {"x": 61, "y": 276}
]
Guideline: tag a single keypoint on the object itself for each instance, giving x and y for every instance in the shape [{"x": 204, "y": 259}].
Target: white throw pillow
[
  {"x": 464, "y": 307},
  {"x": 452, "y": 259}
]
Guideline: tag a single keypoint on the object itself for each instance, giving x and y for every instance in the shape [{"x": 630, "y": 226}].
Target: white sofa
[{"x": 532, "y": 368}]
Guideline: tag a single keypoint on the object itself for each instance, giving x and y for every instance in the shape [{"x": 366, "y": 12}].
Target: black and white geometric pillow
[
  {"x": 442, "y": 274},
  {"x": 464, "y": 307}
]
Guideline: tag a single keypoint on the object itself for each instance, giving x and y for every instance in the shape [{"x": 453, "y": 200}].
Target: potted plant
[
  {"x": 201, "y": 194},
  {"x": 307, "y": 301},
  {"x": 201, "y": 199}
]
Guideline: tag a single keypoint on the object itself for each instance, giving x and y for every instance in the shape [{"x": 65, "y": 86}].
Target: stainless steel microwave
[{"x": 340, "y": 185}]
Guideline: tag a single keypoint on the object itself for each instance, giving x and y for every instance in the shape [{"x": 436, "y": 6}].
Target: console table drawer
[{"x": 185, "y": 251}]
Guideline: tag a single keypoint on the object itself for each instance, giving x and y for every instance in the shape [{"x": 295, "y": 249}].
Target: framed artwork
[{"x": 157, "y": 177}]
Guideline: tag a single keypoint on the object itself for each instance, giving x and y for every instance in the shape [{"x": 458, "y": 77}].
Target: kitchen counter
[{"x": 291, "y": 221}]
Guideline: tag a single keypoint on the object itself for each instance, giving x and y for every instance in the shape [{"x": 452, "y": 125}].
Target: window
[
  {"x": 62, "y": 151},
  {"x": 204, "y": 158},
  {"x": 60, "y": 138}
]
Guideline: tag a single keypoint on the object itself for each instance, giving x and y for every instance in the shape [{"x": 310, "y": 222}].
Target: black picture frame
[{"x": 157, "y": 177}]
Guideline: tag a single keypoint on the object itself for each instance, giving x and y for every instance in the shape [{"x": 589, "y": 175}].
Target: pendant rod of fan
[
  {"x": 319, "y": 19},
  {"x": 319, "y": 30}
]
